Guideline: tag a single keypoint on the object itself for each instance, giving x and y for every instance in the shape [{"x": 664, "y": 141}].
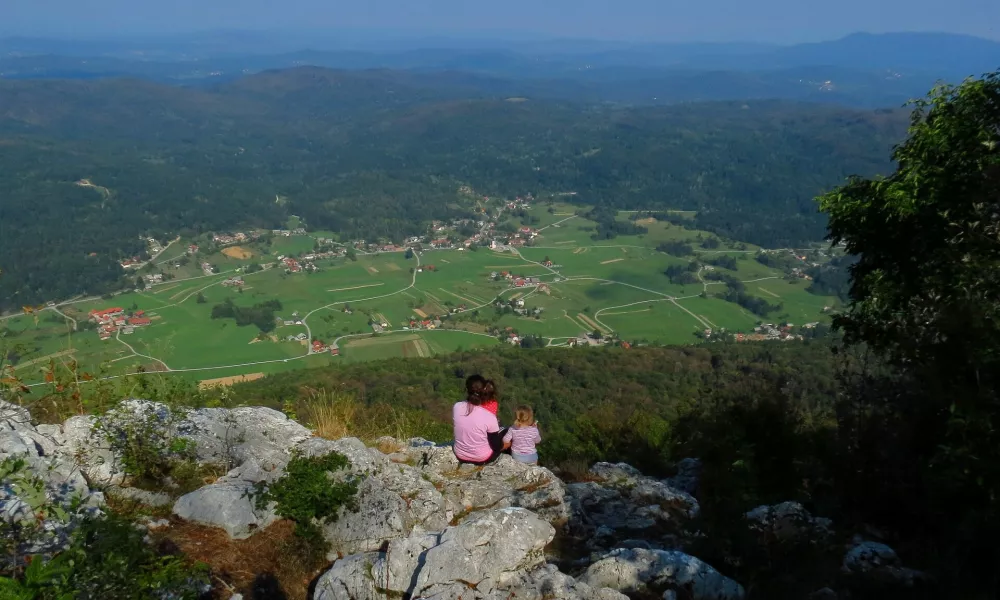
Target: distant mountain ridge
[{"x": 865, "y": 70}]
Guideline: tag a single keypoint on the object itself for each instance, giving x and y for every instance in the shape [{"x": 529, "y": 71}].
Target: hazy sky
[{"x": 668, "y": 20}]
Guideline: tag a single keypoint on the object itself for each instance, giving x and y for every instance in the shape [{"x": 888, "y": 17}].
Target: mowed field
[{"x": 613, "y": 285}]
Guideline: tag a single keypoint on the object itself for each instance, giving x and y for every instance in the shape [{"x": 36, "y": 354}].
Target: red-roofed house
[{"x": 139, "y": 321}]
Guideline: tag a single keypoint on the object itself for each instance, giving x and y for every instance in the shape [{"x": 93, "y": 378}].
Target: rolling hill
[{"x": 379, "y": 154}]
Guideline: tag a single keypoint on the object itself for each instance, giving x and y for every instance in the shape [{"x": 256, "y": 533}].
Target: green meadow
[{"x": 615, "y": 285}]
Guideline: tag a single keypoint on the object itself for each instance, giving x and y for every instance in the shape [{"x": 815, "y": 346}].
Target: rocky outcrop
[
  {"x": 620, "y": 503},
  {"x": 876, "y": 564},
  {"x": 42, "y": 495},
  {"x": 659, "y": 571},
  {"x": 497, "y": 554},
  {"x": 787, "y": 522},
  {"x": 422, "y": 526}
]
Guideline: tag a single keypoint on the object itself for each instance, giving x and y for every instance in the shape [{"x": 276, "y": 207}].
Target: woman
[{"x": 473, "y": 424}]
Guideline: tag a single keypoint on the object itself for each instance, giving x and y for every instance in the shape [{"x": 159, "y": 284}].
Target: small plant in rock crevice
[
  {"x": 311, "y": 492},
  {"x": 143, "y": 439}
]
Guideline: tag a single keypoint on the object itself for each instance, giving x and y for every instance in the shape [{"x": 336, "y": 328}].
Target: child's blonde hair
[{"x": 524, "y": 416}]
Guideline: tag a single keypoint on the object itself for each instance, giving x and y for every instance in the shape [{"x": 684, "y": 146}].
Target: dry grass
[
  {"x": 334, "y": 415},
  {"x": 270, "y": 564}
]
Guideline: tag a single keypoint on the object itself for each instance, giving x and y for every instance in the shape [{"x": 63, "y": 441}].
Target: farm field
[{"x": 615, "y": 286}]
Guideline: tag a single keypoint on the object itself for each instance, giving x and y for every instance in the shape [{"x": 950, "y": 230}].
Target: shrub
[
  {"x": 308, "y": 495},
  {"x": 106, "y": 558},
  {"x": 142, "y": 435}
]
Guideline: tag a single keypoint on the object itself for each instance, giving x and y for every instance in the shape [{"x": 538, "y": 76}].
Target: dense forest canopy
[{"x": 380, "y": 154}]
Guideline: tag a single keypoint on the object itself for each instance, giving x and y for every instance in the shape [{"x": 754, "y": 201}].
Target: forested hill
[{"x": 379, "y": 154}]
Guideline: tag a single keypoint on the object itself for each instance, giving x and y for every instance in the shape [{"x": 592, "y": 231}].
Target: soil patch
[
  {"x": 270, "y": 564},
  {"x": 392, "y": 266},
  {"x": 420, "y": 313},
  {"x": 237, "y": 252},
  {"x": 590, "y": 322},
  {"x": 226, "y": 381},
  {"x": 372, "y": 270}
]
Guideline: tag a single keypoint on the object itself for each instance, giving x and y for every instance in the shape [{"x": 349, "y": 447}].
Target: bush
[
  {"x": 308, "y": 495},
  {"x": 142, "y": 435},
  {"x": 106, "y": 558}
]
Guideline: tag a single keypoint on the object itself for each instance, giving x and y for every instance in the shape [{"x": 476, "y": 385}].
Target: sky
[{"x": 775, "y": 21}]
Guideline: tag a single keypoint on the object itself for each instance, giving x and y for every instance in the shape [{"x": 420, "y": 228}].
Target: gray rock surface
[
  {"x": 226, "y": 505},
  {"x": 656, "y": 571},
  {"x": 495, "y": 555},
  {"x": 877, "y": 563},
  {"x": 787, "y": 521}
]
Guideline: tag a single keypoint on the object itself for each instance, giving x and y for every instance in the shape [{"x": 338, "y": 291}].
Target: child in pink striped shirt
[{"x": 523, "y": 436}]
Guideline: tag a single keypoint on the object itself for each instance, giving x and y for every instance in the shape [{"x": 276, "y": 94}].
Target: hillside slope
[{"x": 380, "y": 154}]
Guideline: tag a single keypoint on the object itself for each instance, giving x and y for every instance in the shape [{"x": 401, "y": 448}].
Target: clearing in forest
[{"x": 237, "y": 252}]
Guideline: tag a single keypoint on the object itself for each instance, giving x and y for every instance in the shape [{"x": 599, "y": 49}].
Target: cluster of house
[
  {"x": 289, "y": 232},
  {"x": 131, "y": 263},
  {"x": 291, "y": 264},
  {"x": 586, "y": 340},
  {"x": 112, "y": 320},
  {"x": 516, "y": 280},
  {"x": 206, "y": 268},
  {"x": 319, "y": 347},
  {"x": 770, "y": 331},
  {"x": 415, "y": 323},
  {"x": 234, "y": 281},
  {"x": 152, "y": 279},
  {"x": 226, "y": 239},
  {"x": 518, "y": 308}
]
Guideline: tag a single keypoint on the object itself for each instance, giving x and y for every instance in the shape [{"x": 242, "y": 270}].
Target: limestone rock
[
  {"x": 878, "y": 564},
  {"x": 381, "y": 515},
  {"x": 655, "y": 571},
  {"x": 485, "y": 551},
  {"x": 787, "y": 521},
  {"x": 688, "y": 476},
  {"x": 227, "y": 505},
  {"x": 233, "y": 436}
]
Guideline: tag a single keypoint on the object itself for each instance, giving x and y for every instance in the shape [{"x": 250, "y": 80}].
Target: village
[{"x": 112, "y": 321}]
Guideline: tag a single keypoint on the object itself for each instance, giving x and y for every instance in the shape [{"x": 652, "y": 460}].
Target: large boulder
[
  {"x": 877, "y": 564},
  {"x": 620, "y": 503},
  {"x": 232, "y": 436},
  {"x": 228, "y": 505},
  {"x": 787, "y": 522},
  {"x": 493, "y": 555},
  {"x": 484, "y": 552},
  {"x": 380, "y": 515},
  {"x": 643, "y": 571}
]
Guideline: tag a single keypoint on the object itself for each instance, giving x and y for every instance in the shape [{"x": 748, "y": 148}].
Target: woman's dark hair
[
  {"x": 490, "y": 390},
  {"x": 474, "y": 386}
]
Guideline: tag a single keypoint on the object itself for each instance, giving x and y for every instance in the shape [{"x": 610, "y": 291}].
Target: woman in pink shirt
[{"x": 473, "y": 424}]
